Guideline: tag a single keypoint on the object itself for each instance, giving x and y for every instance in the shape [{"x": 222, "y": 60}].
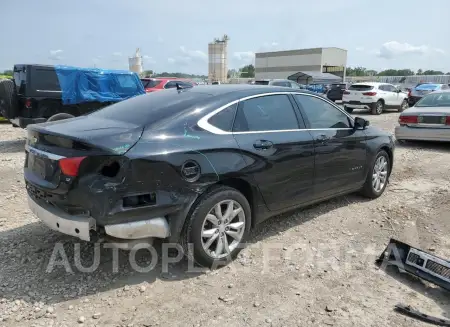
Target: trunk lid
[{"x": 48, "y": 143}]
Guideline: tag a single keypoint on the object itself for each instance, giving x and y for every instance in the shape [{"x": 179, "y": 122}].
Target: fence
[{"x": 404, "y": 80}]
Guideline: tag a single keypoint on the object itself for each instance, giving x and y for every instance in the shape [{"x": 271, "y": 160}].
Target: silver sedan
[{"x": 428, "y": 120}]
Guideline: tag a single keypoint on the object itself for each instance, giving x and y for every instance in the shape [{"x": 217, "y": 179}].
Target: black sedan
[{"x": 199, "y": 166}]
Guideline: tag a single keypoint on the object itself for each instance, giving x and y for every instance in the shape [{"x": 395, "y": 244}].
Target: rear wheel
[
  {"x": 403, "y": 106},
  {"x": 377, "y": 108},
  {"x": 8, "y": 98},
  {"x": 60, "y": 116},
  {"x": 349, "y": 110},
  {"x": 217, "y": 228},
  {"x": 377, "y": 177}
]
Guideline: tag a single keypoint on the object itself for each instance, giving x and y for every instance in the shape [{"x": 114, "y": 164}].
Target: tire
[
  {"x": 377, "y": 108},
  {"x": 60, "y": 116},
  {"x": 403, "y": 106},
  {"x": 8, "y": 98},
  {"x": 369, "y": 190},
  {"x": 197, "y": 222},
  {"x": 349, "y": 110}
]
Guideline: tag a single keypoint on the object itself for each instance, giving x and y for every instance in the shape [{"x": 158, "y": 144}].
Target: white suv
[{"x": 374, "y": 96}]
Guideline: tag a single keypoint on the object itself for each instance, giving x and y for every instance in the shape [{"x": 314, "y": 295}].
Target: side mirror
[{"x": 361, "y": 123}]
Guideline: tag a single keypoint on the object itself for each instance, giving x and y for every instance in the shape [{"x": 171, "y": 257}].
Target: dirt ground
[{"x": 319, "y": 272}]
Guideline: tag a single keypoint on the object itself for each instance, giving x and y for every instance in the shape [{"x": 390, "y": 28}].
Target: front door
[
  {"x": 340, "y": 150},
  {"x": 278, "y": 151}
]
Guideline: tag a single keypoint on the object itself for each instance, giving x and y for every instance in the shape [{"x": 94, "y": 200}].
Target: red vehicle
[{"x": 162, "y": 83}]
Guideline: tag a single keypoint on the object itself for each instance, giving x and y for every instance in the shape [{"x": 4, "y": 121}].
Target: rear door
[
  {"x": 278, "y": 150},
  {"x": 340, "y": 151}
]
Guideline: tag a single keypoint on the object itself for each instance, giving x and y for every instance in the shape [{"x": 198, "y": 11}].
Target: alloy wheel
[
  {"x": 379, "y": 174},
  {"x": 379, "y": 107},
  {"x": 223, "y": 229}
]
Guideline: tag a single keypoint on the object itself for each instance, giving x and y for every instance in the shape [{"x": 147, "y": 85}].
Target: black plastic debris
[{"x": 407, "y": 310}]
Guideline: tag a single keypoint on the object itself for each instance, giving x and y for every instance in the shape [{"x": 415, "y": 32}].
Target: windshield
[
  {"x": 435, "y": 100},
  {"x": 261, "y": 82},
  {"x": 149, "y": 83},
  {"x": 427, "y": 87}
]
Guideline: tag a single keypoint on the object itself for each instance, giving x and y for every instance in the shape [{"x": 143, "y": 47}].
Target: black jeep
[{"x": 39, "y": 93}]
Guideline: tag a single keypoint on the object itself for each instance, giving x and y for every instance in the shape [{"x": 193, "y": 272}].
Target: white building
[
  {"x": 297, "y": 65},
  {"x": 135, "y": 63}
]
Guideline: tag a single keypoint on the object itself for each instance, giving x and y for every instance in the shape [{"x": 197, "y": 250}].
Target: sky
[{"x": 173, "y": 35}]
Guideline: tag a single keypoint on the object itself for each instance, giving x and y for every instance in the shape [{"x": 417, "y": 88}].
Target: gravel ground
[{"x": 320, "y": 271}]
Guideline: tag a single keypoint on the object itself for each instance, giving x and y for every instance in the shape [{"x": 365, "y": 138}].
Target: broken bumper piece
[
  {"x": 416, "y": 262},
  {"x": 82, "y": 226},
  {"x": 407, "y": 310}
]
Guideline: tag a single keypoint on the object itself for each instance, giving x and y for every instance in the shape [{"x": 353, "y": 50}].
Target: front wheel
[
  {"x": 217, "y": 227},
  {"x": 377, "y": 177},
  {"x": 349, "y": 110},
  {"x": 403, "y": 106}
]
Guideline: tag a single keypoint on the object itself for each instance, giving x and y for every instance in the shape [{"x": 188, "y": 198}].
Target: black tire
[
  {"x": 60, "y": 116},
  {"x": 349, "y": 110},
  {"x": 403, "y": 106},
  {"x": 368, "y": 189},
  {"x": 192, "y": 230},
  {"x": 377, "y": 108},
  {"x": 8, "y": 98}
]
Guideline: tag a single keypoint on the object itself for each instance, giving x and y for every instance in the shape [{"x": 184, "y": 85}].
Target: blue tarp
[
  {"x": 318, "y": 88},
  {"x": 79, "y": 85}
]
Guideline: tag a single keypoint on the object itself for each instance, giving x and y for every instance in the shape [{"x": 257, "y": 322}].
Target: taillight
[
  {"x": 346, "y": 92},
  {"x": 28, "y": 103},
  {"x": 409, "y": 94},
  {"x": 369, "y": 94},
  {"x": 447, "y": 120},
  {"x": 70, "y": 166},
  {"x": 408, "y": 119}
]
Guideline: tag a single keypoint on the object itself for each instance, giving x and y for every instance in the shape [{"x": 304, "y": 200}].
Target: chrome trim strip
[
  {"x": 203, "y": 122},
  {"x": 49, "y": 91},
  {"x": 49, "y": 155}
]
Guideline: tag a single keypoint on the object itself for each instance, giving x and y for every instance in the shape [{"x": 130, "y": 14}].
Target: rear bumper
[
  {"x": 358, "y": 104},
  {"x": 82, "y": 227},
  {"x": 422, "y": 134},
  {"x": 24, "y": 122}
]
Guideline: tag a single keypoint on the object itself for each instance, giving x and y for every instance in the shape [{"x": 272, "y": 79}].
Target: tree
[
  {"x": 396, "y": 72},
  {"x": 357, "y": 71},
  {"x": 419, "y": 72},
  {"x": 433, "y": 72},
  {"x": 147, "y": 73},
  {"x": 8, "y": 73},
  {"x": 248, "y": 71}
]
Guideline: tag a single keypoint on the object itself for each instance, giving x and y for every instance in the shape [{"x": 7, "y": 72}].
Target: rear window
[
  {"x": 427, "y": 87},
  {"x": 435, "y": 100},
  {"x": 281, "y": 83},
  {"x": 150, "y": 83},
  {"x": 338, "y": 86},
  {"x": 261, "y": 82},
  {"x": 360, "y": 87},
  {"x": 150, "y": 108},
  {"x": 44, "y": 79}
]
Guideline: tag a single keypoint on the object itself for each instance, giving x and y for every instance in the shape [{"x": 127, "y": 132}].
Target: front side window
[
  {"x": 266, "y": 113},
  {"x": 320, "y": 114}
]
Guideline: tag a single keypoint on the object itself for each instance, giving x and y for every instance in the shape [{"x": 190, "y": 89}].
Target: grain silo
[
  {"x": 135, "y": 63},
  {"x": 218, "y": 61}
]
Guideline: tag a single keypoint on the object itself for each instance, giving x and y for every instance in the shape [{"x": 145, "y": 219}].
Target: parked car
[
  {"x": 336, "y": 91},
  {"x": 422, "y": 89},
  {"x": 40, "y": 93},
  {"x": 279, "y": 82},
  {"x": 376, "y": 97},
  {"x": 428, "y": 120},
  {"x": 163, "y": 83},
  {"x": 200, "y": 166}
]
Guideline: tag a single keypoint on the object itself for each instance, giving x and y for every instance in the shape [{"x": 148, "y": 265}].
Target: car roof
[
  {"x": 371, "y": 83},
  {"x": 243, "y": 89}
]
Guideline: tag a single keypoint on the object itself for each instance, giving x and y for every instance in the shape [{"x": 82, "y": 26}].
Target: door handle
[
  {"x": 323, "y": 139},
  {"x": 262, "y": 145}
]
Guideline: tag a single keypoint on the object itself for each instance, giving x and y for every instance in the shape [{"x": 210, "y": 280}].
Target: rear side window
[
  {"x": 45, "y": 79},
  {"x": 150, "y": 108},
  {"x": 266, "y": 113},
  {"x": 148, "y": 84},
  {"x": 320, "y": 114},
  {"x": 360, "y": 87},
  {"x": 224, "y": 119},
  {"x": 261, "y": 83}
]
